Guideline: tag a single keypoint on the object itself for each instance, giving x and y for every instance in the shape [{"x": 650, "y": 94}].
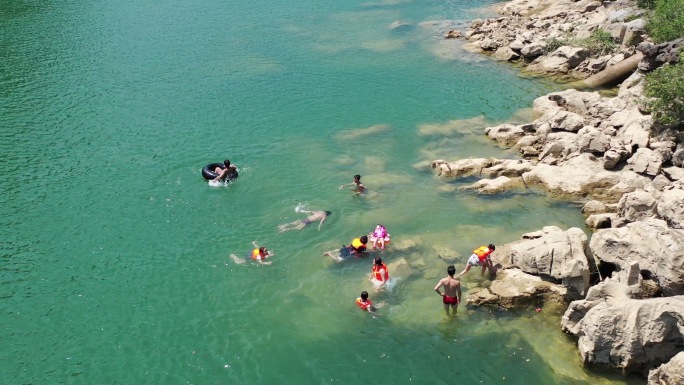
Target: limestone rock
[
  {"x": 646, "y": 161},
  {"x": 670, "y": 373},
  {"x": 555, "y": 254},
  {"x": 505, "y": 134},
  {"x": 513, "y": 288},
  {"x": 506, "y": 54},
  {"x": 658, "y": 249},
  {"x": 631, "y": 334},
  {"x": 671, "y": 207},
  {"x": 637, "y": 205}
]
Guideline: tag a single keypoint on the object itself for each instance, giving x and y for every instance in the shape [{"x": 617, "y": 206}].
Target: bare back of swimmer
[
  {"x": 315, "y": 216},
  {"x": 228, "y": 171}
]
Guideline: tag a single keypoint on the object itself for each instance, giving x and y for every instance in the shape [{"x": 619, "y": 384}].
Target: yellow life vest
[{"x": 356, "y": 243}]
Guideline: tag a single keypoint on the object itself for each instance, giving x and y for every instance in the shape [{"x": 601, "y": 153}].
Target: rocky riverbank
[{"x": 625, "y": 282}]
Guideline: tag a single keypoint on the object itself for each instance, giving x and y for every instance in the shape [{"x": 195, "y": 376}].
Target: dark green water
[{"x": 114, "y": 252}]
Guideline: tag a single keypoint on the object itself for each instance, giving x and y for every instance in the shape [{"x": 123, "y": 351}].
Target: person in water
[
  {"x": 355, "y": 249},
  {"x": 259, "y": 254},
  {"x": 379, "y": 236},
  {"x": 481, "y": 257},
  {"x": 380, "y": 273},
  {"x": 358, "y": 186},
  {"x": 301, "y": 223},
  {"x": 227, "y": 172},
  {"x": 365, "y": 303},
  {"x": 452, "y": 290}
]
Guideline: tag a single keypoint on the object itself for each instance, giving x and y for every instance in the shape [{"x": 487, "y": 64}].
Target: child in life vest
[
  {"x": 260, "y": 254},
  {"x": 380, "y": 274},
  {"x": 365, "y": 303},
  {"x": 379, "y": 236}
]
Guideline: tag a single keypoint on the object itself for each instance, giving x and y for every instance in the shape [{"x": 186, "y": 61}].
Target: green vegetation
[
  {"x": 646, "y": 4},
  {"x": 600, "y": 42},
  {"x": 666, "y": 86},
  {"x": 666, "y": 22}
]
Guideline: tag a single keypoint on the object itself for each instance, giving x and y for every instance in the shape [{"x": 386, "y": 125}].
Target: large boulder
[
  {"x": 584, "y": 176},
  {"x": 635, "y": 335},
  {"x": 513, "y": 288},
  {"x": 552, "y": 253},
  {"x": 463, "y": 167},
  {"x": 646, "y": 161},
  {"x": 671, "y": 373},
  {"x": 659, "y": 250},
  {"x": 637, "y": 206},
  {"x": 671, "y": 207}
]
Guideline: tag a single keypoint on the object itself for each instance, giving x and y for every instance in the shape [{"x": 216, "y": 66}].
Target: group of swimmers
[{"x": 380, "y": 238}]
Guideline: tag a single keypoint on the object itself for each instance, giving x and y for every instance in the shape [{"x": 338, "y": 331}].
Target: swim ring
[{"x": 208, "y": 171}]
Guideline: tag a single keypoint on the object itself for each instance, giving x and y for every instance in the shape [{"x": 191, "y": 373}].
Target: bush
[
  {"x": 646, "y": 4},
  {"x": 667, "y": 21},
  {"x": 666, "y": 86},
  {"x": 599, "y": 43},
  {"x": 554, "y": 44}
]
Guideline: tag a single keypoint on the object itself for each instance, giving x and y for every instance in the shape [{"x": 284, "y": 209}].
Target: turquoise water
[{"x": 115, "y": 266}]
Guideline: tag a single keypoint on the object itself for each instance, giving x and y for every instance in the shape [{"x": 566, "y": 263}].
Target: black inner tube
[{"x": 209, "y": 173}]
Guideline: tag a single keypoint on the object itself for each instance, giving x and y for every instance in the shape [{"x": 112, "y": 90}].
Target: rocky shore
[{"x": 624, "y": 284}]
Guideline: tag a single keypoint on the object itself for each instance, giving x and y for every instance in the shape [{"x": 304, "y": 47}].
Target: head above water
[
  {"x": 357, "y": 178},
  {"x": 262, "y": 250},
  {"x": 364, "y": 295},
  {"x": 364, "y": 239},
  {"x": 377, "y": 261},
  {"x": 491, "y": 247},
  {"x": 451, "y": 270},
  {"x": 226, "y": 163}
]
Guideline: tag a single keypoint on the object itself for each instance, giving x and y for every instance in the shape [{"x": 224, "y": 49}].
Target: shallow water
[{"x": 115, "y": 263}]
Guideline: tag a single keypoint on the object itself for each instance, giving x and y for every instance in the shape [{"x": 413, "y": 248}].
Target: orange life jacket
[
  {"x": 256, "y": 254},
  {"x": 363, "y": 305},
  {"x": 482, "y": 252},
  {"x": 376, "y": 272}
]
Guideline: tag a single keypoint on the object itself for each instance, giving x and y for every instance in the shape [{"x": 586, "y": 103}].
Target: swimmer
[
  {"x": 481, "y": 257},
  {"x": 380, "y": 274},
  {"x": 301, "y": 223},
  {"x": 359, "y": 187},
  {"x": 259, "y": 254},
  {"x": 452, "y": 290},
  {"x": 365, "y": 303},
  {"x": 379, "y": 236},
  {"x": 356, "y": 249},
  {"x": 227, "y": 172}
]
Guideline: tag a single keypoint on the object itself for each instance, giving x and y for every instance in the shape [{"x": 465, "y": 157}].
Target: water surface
[{"x": 115, "y": 265}]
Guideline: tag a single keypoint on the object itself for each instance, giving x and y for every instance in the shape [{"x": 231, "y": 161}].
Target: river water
[{"x": 115, "y": 263}]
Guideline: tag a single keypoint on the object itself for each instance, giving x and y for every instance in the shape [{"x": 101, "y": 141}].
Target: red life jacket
[
  {"x": 364, "y": 305},
  {"x": 376, "y": 272}
]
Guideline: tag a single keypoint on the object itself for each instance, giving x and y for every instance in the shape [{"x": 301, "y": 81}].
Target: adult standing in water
[
  {"x": 227, "y": 172},
  {"x": 358, "y": 186},
  {"x": 452, "y": 290},
  {"x": 301, "y": 223}
]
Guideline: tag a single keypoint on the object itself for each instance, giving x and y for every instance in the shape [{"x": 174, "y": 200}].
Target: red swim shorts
[{"x": 450, "y": 300}]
